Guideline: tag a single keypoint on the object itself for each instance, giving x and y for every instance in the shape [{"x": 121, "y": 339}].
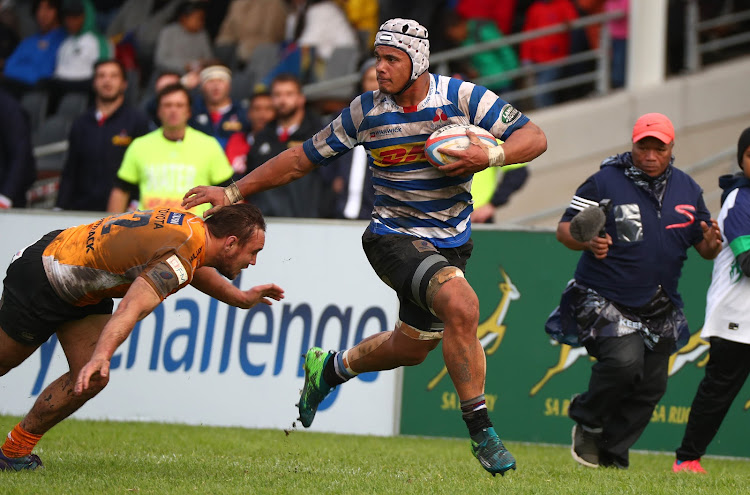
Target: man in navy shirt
[
  {"x": 98, "y": 140},
  {"x": 623, "y": 304},
  {"x": 214, "y": 112}
]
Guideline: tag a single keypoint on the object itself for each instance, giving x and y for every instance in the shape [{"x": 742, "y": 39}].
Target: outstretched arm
[
  {"x": 279, "y": 170},
  {"x": 212, "y": 283},
  {"x": 139, "y": 301}
]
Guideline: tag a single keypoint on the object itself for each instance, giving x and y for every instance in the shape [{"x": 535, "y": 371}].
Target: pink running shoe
[{"x": 693, "y": 466}]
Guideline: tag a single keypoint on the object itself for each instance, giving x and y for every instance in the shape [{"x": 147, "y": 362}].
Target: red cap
[{"x": 656, "y": 125}]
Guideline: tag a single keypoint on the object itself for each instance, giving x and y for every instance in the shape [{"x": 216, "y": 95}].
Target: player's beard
[{"x": 224, "y": 266}]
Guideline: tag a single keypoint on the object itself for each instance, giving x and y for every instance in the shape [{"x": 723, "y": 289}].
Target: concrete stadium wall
[{"x": 599, "y": 124}]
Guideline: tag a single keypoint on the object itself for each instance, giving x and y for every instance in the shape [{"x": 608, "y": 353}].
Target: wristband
[
  {"x": 233, "y": 194},
  {"x": 496, "y": 155}
]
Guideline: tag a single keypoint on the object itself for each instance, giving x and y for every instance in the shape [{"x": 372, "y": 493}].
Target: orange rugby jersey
[{"x": 88, "y": 263}]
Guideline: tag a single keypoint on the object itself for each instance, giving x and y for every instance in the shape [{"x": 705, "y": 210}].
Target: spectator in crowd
[
  {"x": 363, "y": 16},
  {"x": 545, "y": 13},
  {"x": 161, "y": 81},
  {"x": 252, "y": 22},
  {"x": 259, "y": 113},
  {"x": 727, "y": 322},
  {"x": 618, "y": 29},
  {"x": 138, "y": 24},
  {"x": 9, "y": 31},
  {"x": 98, "y": 140},
  {"x": 492, "y": 188},
  {"x": 216, "y": 12},
  {"x": 214, "y": 112},
  {"x": 77, "y": 54},
  {"x": 623, "y": 303},
  {"x": 159, "y": 165},
  {"x": 502, "y": 13},
  {"x": 492, "y": 64},
  {"x": 184, "y": 46},
  {"x": 17, "y": 165},
  {"x": 106, "y": 11},
  {"x": 292, "y": 126},
  {"x": 314, "y": 30},
  {"x": 426, "y": 12},
  {"x": 349, "y": 178},
  {"x": 33, "y": 60}
]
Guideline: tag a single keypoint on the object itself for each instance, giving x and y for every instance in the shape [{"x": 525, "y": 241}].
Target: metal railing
[
  {"x": 439, "y": 61},
  {"x": 694, "y": 27}
]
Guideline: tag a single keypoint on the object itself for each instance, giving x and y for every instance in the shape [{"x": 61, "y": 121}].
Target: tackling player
[
  {"x": 64, "y": 284},
  {"x": 419, "y": 239}
]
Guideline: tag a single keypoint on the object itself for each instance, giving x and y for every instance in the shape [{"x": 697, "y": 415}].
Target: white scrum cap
[{"x": 408, "y": 36}]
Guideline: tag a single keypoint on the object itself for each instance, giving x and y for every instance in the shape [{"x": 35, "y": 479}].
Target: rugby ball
[{"x": 453, "y": 137}]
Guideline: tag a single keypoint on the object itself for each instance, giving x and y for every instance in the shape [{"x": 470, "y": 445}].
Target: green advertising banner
[{"x": 519, "y": 277}]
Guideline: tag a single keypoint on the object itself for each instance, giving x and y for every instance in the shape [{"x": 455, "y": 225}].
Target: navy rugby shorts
[
  {"x": 30, "y": 309},
  {"x": 406, "y": 264}
]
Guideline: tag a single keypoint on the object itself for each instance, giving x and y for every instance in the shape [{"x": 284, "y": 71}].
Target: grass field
[{"x": 122, "y": 458}]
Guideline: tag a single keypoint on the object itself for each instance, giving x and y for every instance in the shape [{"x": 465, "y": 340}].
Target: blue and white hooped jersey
[{"x": 411, "y": 196}]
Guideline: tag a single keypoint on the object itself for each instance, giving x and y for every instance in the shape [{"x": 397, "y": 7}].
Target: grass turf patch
[{"x": 131, "y": 457}]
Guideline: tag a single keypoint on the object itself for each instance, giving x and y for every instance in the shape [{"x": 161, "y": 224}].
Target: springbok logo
[
  {"x": 491, "y": 331},
  {"x": 693, "y": 351}
]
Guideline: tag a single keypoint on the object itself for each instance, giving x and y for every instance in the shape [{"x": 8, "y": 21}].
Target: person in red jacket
[{"x": 541, "y": 14}]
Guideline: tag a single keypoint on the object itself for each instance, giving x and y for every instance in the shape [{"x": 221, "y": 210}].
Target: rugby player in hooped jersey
[
  {"x": 64, "y": 284},
  {"x": 419, "y": 239}
]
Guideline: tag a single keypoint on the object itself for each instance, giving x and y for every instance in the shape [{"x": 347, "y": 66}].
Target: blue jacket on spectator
[
  {"x": 650, "y": 241},
  {"x": 34, "y": 58},
  {"x": 233, "y": 120}
]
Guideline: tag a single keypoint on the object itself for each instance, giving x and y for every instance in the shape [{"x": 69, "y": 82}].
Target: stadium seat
[
  {"x": 72, "y": 105},
  {"x": 264, "y": 58},
  {"x": 227, "y": 55},
  {"x": 35, "y": 104},
  {"x": 132, "y": 93},
  {"x": 242, "y": 87},
  {"x": 53, "y": 130},
  {"x": 343, "y": 61}
]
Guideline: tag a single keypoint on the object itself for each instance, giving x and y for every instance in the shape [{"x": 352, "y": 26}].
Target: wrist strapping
[
  {"x": 232, "y": 192},
  {"x": 496, "y": 155}
]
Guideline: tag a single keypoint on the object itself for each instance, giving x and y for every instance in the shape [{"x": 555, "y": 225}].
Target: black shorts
[
  {"x": 30, "y": 309},
  {"x": 407, "y": 264}
]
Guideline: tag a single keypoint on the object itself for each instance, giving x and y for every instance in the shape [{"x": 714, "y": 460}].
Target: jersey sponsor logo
[
  {"x": 509, "y": 114},
  {"x": 385, "y": 132},
  {"x": 90, "y": 236},
  {"x": 175, "y": 218},
  {"x": 688, "y": 211},
  {"x": 399, "y": 154},
  {"x": 178, "y": 269},
  {"x": 440, "y": 115}
]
